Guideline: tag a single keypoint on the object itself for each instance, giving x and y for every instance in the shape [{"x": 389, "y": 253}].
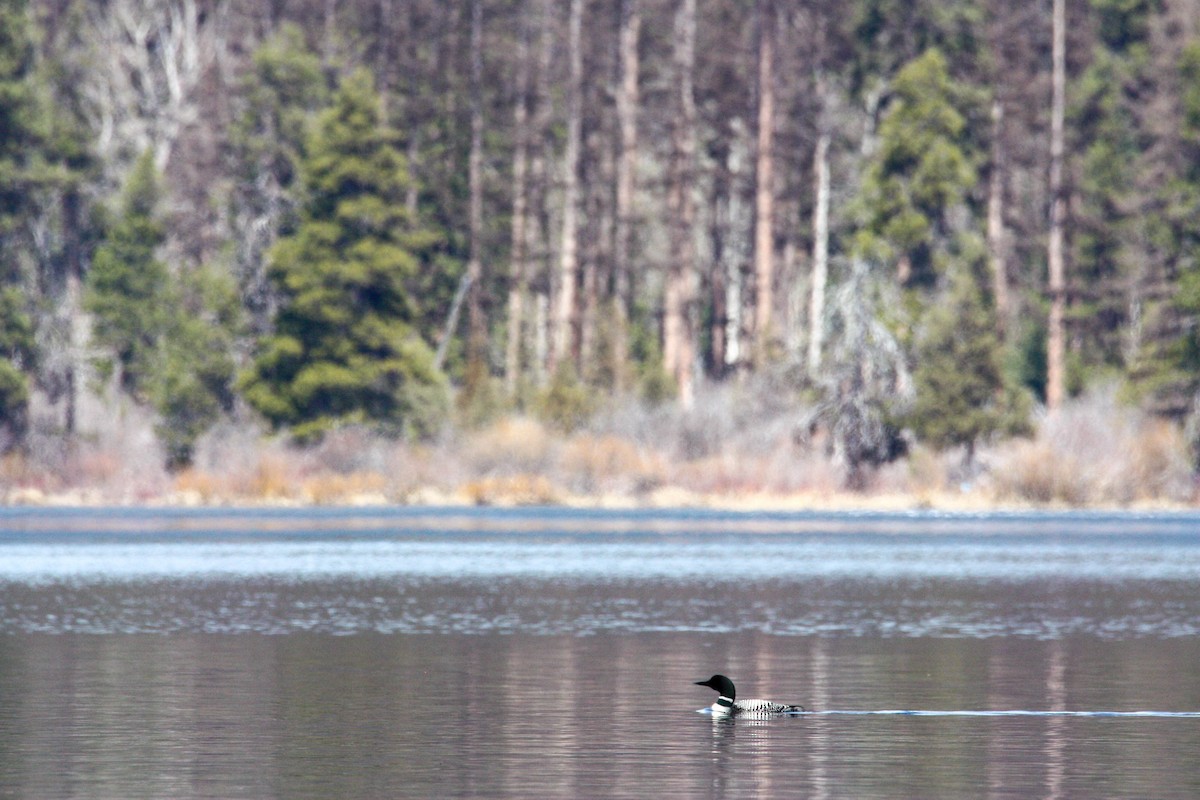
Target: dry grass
[
  {"x": 739, "y": 446},
  {"x": 510, "y": 445},
  {"x": 605, "y": 463},
  {"x": 512, "y": 490},
  {"x": 1095, "y": 452}
]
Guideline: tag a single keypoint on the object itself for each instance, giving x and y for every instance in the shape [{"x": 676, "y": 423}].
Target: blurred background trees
[{"x": 404, "y": 214}]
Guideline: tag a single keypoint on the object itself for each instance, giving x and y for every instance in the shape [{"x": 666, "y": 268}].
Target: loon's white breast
[{"x": 728, "y": 705}]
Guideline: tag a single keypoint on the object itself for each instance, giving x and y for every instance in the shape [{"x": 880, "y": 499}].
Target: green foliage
[
  {"x": 921, "y": 176},
  {"x": 127, "y": 285},
  {"x": 285, "y": 84},
  {"x": 277, "y": 100},
  {"x": 1025, "y": 360},
  {"x": 566, "y": 403},
  {"x": 193, "y": 383},
  {"x": 889, "y": 33},
  {"x": 481, "y": 397},
  {"x": 654, "y": 384},
  {"x": 20, "y": 139},
  {"x": 1123, "y": 24},
  {"x": 19, "y": 143},
  {"x": 344, "y": 349},
  {"x": 16, "y": 355},
  {"x": 1167, "y": 371},
  {"x": 1119, "y": 235},
  {"x": 961, "y": 396},
  {"x": 172, "y": 338}
]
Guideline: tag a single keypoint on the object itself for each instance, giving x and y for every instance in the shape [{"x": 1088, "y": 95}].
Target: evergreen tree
[
  {"x": 193, "y": 383},
  {"x": 127, "y": 285},
  {"x": 918, "y": 182},
  {"x": 960, "y": 392},
  {"x": 16, "y": 356},
  {"x": 170, "y": 337},
  {"x": 344, "y": 348},
  {"x": 19, "y": 142},
  {"x": 1168, "y": 368},
  {"x": 277, "y": 99},
  {"x": 1116, "y": 215}
]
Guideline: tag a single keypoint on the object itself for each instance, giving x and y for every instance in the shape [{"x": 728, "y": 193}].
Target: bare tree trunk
[
  {"x": 568, "y": 263},
  {"x": 720, "y": 246},
  {"x": 329, "y": 39},
  {"x": 996, "y": 235},
  {"x": 597, "y": 173},
  {"x": 477, "y": 325},
  {"x": 538, "y": 233},
  {"x": 411, "y": 110},
  {"x": 820, "y": 258},
  {"x": 519, "y": 276},
  {"x": 384, "y": 57},
  {"x": 627, "y": 110},
  {"x": 1055, "y": 337},
  {"x": 718, "y": 289},
  {"x": 678, "y": 348},
  {"x": 764, "y": 205}
]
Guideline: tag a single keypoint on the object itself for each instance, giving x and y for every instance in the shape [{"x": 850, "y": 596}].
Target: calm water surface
[{"x": 547, "y": 653}]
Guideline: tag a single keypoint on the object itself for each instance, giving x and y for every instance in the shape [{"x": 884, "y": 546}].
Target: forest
[{"x": 531, "y": 250}]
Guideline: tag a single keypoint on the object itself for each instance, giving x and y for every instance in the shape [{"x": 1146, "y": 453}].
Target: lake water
[{"x": 550, "y": 653}]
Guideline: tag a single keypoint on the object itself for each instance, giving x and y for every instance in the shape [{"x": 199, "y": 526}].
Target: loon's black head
[{"x": 723, "y": 685}]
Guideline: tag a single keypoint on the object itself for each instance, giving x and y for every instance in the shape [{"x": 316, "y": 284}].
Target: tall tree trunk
[
  {"x": 519, "y": 274},
  {"x": 538, "y": 232},
  {"x": 718, "y": 273},
  {"x": 413, "y": 111},
  {"x": 996, "y": 234},
  {"x": 764, "y": 178},
  {"x": 568, "y": 264},
  {"x": 384, "y": 57},
  {"x": 820, "y": 255},
  {"x": 477, "y": 325},
  {"x": 1055, "y": 336},
  {"x": 678, "y": 348},
  {"x": 598, "y": 170},
  {"x": 627, "y": 111}
]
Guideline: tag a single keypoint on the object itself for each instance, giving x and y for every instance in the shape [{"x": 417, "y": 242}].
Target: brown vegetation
[{"x": 726, "y": 452}]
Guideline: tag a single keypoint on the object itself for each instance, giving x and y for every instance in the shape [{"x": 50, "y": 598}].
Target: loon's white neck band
[{"x": 725, "y": 702}]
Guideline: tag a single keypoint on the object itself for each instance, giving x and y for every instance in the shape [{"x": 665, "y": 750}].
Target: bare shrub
[
  {"x": 333, "y": 488},
  {"x": 1031, "y": 471},
  {"x": 609, "y": 463},
  {"x": 510, "y": 445},
  {"x": 1095, "y": 451},
  {"x": 523, "y": 489},
  {"x": 749, "y": 416}
]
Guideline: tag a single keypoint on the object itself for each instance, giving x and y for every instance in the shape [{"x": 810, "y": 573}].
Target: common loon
[{"x": 728, "y": 705}]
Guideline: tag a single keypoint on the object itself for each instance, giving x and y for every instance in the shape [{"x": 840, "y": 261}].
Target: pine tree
[
  {"x": 344, "y": 348},
  {"x": 1116, "y": 104},
  {"x": 960, "y": 391},
  {"x": 19, "y": 141},
  {"x": 276, "y": 102},
  {"x": 127, "y": 285},
  {"x": 193, "y": 383},
  {"x": 1167, "y": 371},
  {"x": 16, "y": 356},
  {"x": 922, "y": 173}
]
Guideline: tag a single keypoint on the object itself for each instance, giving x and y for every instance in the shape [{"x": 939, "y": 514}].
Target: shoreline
[{"x": 664, "y": 499}]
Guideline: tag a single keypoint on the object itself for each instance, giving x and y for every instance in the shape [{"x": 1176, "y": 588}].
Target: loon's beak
[{"x": 702, "y": 683}]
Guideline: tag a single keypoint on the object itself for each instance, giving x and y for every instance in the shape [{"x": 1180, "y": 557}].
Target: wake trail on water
[{"x": 908, "y": 712}]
